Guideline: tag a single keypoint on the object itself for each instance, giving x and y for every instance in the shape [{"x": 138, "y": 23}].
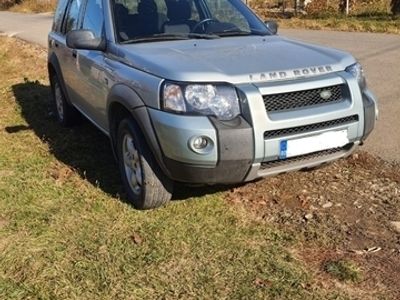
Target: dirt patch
[
  {"x": 60, "y": 173},
  {"x": 341, "y": 211},
  {"x": 3, "y": 222}
]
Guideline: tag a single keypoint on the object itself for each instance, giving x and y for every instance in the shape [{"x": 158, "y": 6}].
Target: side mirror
[
  {"x": 85, "y": 40},
  {"x": 272, "y": 26}
]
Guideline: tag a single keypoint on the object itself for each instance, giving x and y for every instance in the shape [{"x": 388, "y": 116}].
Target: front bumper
[
  {"x": 371, "y": 113},
  {"x": 229, "y": 159},
  {"x": 241, "y": 149}
]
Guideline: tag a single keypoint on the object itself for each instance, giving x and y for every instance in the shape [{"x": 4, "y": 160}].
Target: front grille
[
  {"x": 304, "y": 158},
  {"x": 309, "y": 128},
  {"x": 300, "y": 99}
]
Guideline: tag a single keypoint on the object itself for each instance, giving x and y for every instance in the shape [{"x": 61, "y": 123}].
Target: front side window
[
  {"x": 59, "y": 15},
  {"x": 94, "y": 19},
  {"x": 155, "y": 20},
  {"x": 71, "y": 21},
  {"x": 224, "y": 11}
]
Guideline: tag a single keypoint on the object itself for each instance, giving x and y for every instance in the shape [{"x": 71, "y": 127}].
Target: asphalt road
[{"x": 379, "y": 54}]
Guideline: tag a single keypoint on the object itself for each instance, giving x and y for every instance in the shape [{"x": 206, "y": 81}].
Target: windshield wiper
[
  {"x": 206, "y": 36},
  {"x": 154, "y": 38},
  {"x": 170, "y": 37},
  {"x": 239, "y": 33},
  {"x": 233, "y": 33}
]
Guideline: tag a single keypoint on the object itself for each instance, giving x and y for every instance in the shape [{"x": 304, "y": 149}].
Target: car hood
[{"x": 234, "y": 59}]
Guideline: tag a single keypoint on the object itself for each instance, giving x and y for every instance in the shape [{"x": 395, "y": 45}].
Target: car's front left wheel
[{"x": 145, "y": 184}]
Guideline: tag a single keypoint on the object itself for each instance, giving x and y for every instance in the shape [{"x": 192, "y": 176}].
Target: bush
[
  {"x": 6, "y": 4},
  {"x": 323, "y": 7},
  {"x": 369, "y": 7},
  {"x": 35, "y": 6},
  {"x": 357, "y": 7},
  {"x": 28, "y": 5}
]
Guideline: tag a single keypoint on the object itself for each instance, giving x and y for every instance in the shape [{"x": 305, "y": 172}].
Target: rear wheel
[
  {"x": 65, "y": 113},
  {"x": 146, "y": 186}
]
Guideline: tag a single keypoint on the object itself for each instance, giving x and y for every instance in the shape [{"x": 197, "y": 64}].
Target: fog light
[{"x": 201, "y": 144}]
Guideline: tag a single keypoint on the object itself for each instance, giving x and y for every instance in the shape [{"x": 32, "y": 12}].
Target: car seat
[
  {"x": 146, "y": 20},
  {"x": 179, "y": 14}
]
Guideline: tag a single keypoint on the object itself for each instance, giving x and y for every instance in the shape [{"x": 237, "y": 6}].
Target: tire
[
  {"x": 145, "y": 184},
  {"x": 65, "y": 113}
]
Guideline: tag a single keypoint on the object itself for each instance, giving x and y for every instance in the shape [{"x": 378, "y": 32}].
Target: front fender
[{"x": 125, "y": 96}]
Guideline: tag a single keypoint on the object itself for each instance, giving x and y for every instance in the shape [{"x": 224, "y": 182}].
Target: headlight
[
  {"x": 357, "y": 71},
  {"x": 218, "y": 100}
]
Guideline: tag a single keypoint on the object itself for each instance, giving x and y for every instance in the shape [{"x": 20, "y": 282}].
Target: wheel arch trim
[{"x": 130, "y": 101}]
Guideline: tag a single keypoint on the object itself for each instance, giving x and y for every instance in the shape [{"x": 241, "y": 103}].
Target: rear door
[
  {"x": 56, "y": 35},
  {"x": 68, "y": 56},
  {"x": 91, "y": 68}
]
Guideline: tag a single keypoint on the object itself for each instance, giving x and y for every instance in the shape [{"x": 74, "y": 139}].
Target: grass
[
  {"x": 35, "y": 6},
  {"x": 344, "y": 270},
  {"x": 65, "y": 233},
  {"x": 379, "y": 24}
]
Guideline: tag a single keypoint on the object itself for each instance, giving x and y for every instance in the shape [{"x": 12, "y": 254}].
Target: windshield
[{"x": 157, "y": 20}]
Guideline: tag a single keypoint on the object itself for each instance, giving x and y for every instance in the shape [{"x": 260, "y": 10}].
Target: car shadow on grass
[{"x": 83, "y": 147}]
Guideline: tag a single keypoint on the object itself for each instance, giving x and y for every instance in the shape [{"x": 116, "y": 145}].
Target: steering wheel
[{"x": 202, "y": 23}]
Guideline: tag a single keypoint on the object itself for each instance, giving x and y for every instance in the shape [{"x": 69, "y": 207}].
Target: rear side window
[
  {"x": 72, "y": 18},
  {"x": 59, "y": 15},
  {"x": 94, "y": 18}
]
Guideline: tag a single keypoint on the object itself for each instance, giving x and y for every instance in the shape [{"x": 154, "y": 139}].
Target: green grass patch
[{"x": 344, "y": 270}]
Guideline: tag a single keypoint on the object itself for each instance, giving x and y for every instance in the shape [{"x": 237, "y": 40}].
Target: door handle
[{"x": 74, "y": 53}]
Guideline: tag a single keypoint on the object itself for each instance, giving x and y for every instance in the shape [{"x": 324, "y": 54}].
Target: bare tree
[
  {"x": 342, "y": 6},
  {"x": 395, "y": 5}
]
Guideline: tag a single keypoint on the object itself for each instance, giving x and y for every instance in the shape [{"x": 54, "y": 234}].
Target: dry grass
[
  {"x": 387, "y": 25},
  {"x": 34, "y": 6}
]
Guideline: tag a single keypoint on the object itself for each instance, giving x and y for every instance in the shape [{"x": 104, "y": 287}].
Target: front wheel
[{"x": 146, "y": 186}]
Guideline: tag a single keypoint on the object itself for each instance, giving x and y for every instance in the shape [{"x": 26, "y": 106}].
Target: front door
[{"x": 91, "y": 68}]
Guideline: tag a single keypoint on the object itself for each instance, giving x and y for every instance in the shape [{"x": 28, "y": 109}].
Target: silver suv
[{"x": 202, "y": 92}]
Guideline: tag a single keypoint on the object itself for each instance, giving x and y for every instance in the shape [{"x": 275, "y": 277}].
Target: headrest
[
  {"x": 179, "y": 11},
  {"x": 147, "y": 7},
  {"x": 121, "y": 10}
]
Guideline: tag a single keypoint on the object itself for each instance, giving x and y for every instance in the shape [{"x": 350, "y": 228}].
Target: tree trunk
[
  {"x": 395, "y": 7},
  {"x": 342, "y": 6}
]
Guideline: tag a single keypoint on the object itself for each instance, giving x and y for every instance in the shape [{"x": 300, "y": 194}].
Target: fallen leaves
[{"x": 137, "y": 239}]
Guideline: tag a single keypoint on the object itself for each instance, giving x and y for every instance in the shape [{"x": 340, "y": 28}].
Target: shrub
[
  {"x": 35, "y": 6},
  {"x": 6, "y": 4},
  {"x": 323, "y": 7}
]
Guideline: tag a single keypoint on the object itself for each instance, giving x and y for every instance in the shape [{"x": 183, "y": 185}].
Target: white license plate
[{"x": 315, "y": 143}]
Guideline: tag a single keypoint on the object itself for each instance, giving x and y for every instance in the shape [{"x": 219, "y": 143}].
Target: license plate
[{"x": 315, "y": 143}]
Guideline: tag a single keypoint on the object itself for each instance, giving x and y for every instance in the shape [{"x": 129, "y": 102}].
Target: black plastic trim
[
  {"x": 235, "y": 156},
  {"x": 369, "y": 116}
]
